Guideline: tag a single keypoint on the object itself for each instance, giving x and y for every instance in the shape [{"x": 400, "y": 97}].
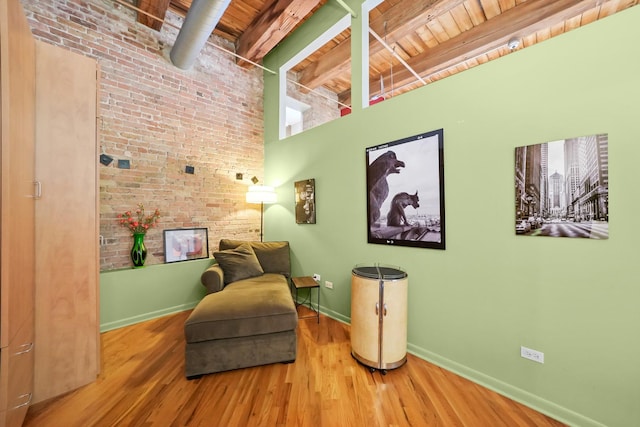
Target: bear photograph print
[{"x": 405, "y": 192}]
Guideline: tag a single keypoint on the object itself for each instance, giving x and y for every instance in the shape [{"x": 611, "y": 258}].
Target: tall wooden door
[
  {"x": 18, "y": 169},
  {"x": 17, "y": 193},
  {"x": 67, "y": 262}
]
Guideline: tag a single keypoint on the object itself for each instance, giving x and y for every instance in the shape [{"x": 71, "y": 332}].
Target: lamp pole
[
  {"x": 261, "y": 219},
  {"x": 261, "y": 194}
]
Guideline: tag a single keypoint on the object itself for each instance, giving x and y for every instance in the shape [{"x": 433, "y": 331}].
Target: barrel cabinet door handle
[
  {"x": 38, "y": 190},
  {"x": 384, "y": 309},
  {"x": 377, "y": 308},
  {"x": 29, "y": 396},
  {"x": 26, "y": 348}
]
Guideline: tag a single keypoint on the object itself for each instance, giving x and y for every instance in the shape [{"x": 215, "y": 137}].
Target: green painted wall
[
  {"x": 473, "y": 305},
  {"x": 131, "y": 295}
]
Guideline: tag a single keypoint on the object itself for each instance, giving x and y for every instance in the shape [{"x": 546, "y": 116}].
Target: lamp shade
[{"x": 261, "y": 194}]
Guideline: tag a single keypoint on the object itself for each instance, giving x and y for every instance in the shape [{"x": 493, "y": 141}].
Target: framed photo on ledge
[
  {"x": 405, "y": 192},
  {"x": 183, "y": 244}
]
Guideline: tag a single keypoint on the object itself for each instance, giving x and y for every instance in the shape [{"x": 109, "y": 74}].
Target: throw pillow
[
  {"x": 239, "y": 263},
  {"x": 272, "y": 256}
]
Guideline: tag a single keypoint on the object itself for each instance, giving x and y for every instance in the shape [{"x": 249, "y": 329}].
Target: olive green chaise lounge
[{"x": 248, "y": 317}]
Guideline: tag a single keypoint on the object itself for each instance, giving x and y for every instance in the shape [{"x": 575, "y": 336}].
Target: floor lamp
[{"x": 261, "y": 194}]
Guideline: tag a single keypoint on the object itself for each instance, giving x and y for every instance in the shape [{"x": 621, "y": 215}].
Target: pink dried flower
[{"x": 140, "y": 223}]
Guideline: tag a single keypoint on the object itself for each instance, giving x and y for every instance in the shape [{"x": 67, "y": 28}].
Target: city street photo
[{"x": 562, "y": 188}]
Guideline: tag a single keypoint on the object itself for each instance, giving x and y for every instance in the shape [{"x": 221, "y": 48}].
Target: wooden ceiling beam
[
  {"x": 328, "y": 66},
  {"x": 272, "y": 25},
  {"x": 345, "y": 97},
  {"x": 403, "y": 19},
  {"x": 181, "y": 7},
  {"x": 396, "y": 23},
  {"x": 157, "y": 8},
  {"x": 519, "y": 21}
]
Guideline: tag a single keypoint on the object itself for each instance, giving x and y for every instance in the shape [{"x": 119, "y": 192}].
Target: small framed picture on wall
[{"x": 305, "y": 201}]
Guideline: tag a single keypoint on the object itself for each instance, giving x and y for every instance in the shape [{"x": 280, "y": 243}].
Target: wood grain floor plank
[{"x": 142, "y": 384}]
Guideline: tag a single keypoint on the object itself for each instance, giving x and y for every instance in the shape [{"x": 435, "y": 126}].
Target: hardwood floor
[{"x": 142, "y": 384}]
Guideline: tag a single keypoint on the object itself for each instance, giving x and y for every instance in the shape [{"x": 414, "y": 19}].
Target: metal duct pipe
[{"x": 201, "y": 20}]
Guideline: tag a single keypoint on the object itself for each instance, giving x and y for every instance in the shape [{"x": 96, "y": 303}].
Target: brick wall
[{"x": 162, "y": 119}]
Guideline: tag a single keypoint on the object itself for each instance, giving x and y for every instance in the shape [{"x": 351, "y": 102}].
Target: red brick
[{"x": 162, "y": 118}]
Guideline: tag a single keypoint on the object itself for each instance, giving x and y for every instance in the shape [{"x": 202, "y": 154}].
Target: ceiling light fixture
[{"x": 513, "y": 43}]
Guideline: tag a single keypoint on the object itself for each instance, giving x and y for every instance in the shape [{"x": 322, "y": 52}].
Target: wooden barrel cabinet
[{"x": 379, "y": 317}]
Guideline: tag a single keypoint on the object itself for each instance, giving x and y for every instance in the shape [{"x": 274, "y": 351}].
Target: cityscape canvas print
[
  {"x": 562, "y": 188},
  {"x": 405, "y": 192}
]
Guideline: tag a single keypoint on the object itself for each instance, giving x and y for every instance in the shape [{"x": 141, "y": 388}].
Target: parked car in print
[
  {"x": 535, "y": 222},
  {"x": 523, "y": 226}
]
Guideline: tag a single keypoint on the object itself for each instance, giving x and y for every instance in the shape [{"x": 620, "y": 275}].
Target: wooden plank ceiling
[{"x": 435, "y": 38}]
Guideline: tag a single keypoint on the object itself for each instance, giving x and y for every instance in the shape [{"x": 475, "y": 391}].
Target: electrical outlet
[
  {"x": 328, "y": 284},
  {"x": 535, "y": 355},
  {"x": 316, "y": 277}
]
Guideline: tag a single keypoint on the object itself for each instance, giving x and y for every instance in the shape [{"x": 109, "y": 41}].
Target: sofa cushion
[
  {"x": 238, "y": 263},
  {"x": 255, "y": 306},
  {"x": 273, "y": 256}
]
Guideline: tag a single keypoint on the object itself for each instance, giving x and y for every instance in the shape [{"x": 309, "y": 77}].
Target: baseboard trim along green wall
[
  {"x": 134, "y": 295},
  {"x": 519, "y": 395}
]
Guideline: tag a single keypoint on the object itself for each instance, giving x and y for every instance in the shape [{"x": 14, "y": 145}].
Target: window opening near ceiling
[
  {"x": 426, "y": 41},
  {"x": 382, "y": 56},
  {"x": 392, "y": 51},
  {"x": 295, "y": 116},
  {"x": 367, "y": 93},
  {"x": 324, "y": 97}
]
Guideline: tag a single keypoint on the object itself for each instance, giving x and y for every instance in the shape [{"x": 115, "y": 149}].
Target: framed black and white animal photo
[{"x": 405, "y": 192}]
